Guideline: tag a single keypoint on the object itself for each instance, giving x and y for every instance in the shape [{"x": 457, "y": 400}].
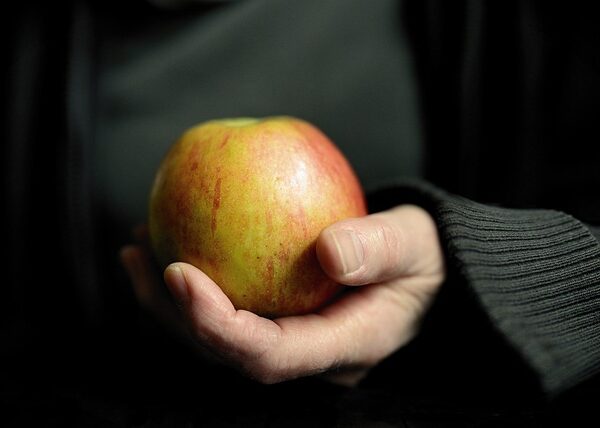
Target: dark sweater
[
  {"x": 533, "y": 276},
  {"x": 512, "y": 94},
  {"x": 509, "y": 96}
]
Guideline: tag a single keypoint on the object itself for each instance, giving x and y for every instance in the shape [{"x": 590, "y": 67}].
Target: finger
[
  {"x": 358, "y": 330},
  {"x": 148, "y": 287},
  {"x": 347, "y": 338},
  {"x": 145, "y": 285},
  {"x": 237, "y": 337},
  {"x": 376, "y": 248},
  {"x": 141, "y": 234}
]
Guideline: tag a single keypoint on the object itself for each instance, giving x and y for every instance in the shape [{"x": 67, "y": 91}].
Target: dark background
[{"x": 94, "y": 93}]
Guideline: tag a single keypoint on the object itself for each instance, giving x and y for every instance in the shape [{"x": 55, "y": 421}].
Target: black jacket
[{"x": 508, "y": 95}]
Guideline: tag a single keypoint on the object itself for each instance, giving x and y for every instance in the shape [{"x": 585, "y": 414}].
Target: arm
[
  {"x": 534, "y": 273},
  {"x": 595, "y": 230},
  {"x": 381, "y": 311}
]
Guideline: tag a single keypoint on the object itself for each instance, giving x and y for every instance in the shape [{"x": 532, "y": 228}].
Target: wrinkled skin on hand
[{"x": 391, "y": 262}]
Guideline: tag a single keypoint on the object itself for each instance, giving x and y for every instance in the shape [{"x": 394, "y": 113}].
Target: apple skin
[{"x": 244, "y": 200}]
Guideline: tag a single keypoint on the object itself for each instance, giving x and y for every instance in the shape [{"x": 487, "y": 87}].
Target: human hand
[{"x": 393, "y": 272}]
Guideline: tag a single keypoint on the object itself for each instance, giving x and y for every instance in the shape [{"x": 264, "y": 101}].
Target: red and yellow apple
[{"x": 244, "y": 200}]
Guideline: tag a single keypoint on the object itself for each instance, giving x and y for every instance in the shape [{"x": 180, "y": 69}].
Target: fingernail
[
  {"x": 350, "y": 250},
  {"x": 177, "y": 283}
]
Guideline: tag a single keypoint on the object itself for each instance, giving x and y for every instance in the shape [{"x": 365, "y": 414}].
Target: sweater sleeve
[{"x": 534, "y": 273}]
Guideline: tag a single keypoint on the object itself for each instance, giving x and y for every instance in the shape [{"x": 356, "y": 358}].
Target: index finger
[{"x": 359, "y": 329}]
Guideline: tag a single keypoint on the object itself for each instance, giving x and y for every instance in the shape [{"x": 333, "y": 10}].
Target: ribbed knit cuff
[{"x": 536, "y": 274}]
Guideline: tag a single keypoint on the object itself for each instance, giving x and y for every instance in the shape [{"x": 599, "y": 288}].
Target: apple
[{"x": 244, "y": 200}]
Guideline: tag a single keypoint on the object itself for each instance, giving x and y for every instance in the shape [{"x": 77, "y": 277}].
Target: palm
[{"x": 363, "y": 326}]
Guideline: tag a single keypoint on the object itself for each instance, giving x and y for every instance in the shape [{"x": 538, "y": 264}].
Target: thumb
[{"x": 399, "y": 242}]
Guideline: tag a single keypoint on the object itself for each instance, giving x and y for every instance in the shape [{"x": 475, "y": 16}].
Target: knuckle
[
  {"x": 391, "y": 246},
  {"x": 264, "y": 371},
  {"x": 262, "y": 364}
]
